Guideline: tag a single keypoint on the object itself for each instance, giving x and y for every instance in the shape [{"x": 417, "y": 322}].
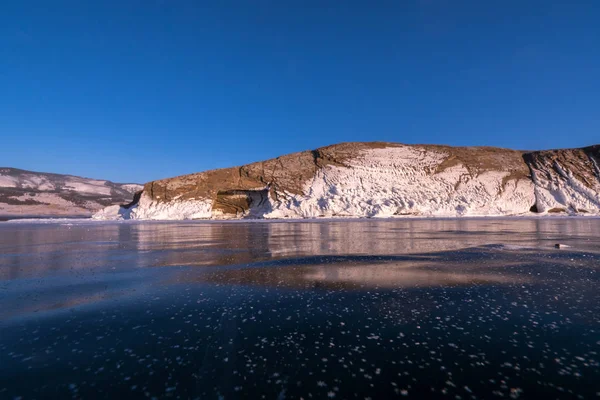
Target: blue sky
[{"x": 141, "y": 90}]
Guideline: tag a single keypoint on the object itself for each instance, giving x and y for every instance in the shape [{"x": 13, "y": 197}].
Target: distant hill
[
  {"x": 28, "y": 193},
  {"x": 382, "y": 180}
]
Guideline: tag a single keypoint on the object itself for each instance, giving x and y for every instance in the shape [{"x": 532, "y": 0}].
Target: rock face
[
  {"x": 382, "y": 180},
  {"x": 43, "y": 194}
]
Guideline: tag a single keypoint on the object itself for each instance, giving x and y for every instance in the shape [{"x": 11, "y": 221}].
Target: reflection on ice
[
  {"x": 400, "y": 276},
  {"x": 30, "y": 250},
  {"x": 363, "y": 276},
  {"x": 486, "y": 265}
]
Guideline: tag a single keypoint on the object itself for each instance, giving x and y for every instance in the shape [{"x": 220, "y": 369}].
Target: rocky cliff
[
  {"x": 52, "y": 195},
  {"x": 381, "y": 180}
]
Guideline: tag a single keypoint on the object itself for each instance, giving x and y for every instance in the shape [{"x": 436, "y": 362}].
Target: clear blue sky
[{"x": 141, "y": 90}]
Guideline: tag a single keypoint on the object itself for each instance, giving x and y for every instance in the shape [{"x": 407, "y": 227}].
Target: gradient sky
[{"x": 141, "y": 90}]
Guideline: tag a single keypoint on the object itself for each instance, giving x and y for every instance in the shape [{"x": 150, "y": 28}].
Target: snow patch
[
  {"x": 95, "y": 187},
  {"x": 8, "y": 181}
]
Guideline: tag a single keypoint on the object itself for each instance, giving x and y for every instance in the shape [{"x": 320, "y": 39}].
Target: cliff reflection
[
  {"x": 46, "y": 267},
  {"x": 347, "y": 275},
  {"x": 33, "y": 250}
]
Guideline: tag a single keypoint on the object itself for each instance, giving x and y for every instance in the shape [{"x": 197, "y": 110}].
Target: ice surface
[{"x": 424, "y": 308}]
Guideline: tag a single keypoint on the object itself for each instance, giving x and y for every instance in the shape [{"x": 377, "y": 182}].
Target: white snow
[
  {"x": 45, "y": 198},
  {"x": 559, "y": 189},
  {"x": 41, "y": 182},
  {"x": 132, "y": 187},
  {"x": 400, "y": 181},
  {"x": 88, "y": 186},
  {"x": 8, "y": 181},
  {"x": 115, "y": 212},
  {"x": 49, "y": 203},
  {"x": 37, "y": 182},
  {"x": 148, "y": 209}
]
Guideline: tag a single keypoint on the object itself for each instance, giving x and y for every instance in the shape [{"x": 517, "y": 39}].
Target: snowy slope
[{"x": 44, "y": 194}]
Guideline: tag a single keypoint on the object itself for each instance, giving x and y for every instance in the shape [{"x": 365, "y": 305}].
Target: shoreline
[{"x": 86, "y": 219}]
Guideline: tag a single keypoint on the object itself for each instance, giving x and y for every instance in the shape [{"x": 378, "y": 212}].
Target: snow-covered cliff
[
  {"x": 566, "y": 180},
  {"x": 381, "y": 180}
]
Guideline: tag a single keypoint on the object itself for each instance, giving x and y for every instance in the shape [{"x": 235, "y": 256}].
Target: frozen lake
[{"x": 424, "y": 308}]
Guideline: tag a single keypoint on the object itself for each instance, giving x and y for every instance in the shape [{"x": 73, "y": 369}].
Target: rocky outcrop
[
  {"x": 44, "y": 194},
  {"x": 384, "y": 180},
  {"x": 240, "y": 203}
]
